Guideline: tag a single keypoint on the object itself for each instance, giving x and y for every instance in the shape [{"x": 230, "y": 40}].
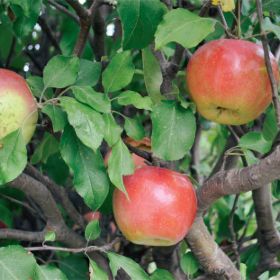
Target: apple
[
  {"x": 160, "y": 207},
  {"x": 18, "y": 108},
  {"x": 92, "y": 216},
  {"x": 228, "y": 81},
  {"x": 144, "y": 144}
]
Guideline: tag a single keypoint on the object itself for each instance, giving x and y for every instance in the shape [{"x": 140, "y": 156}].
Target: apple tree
[{"x": 112, "y": 109}]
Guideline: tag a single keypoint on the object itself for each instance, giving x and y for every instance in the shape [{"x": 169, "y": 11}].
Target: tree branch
[
  {"x": 272, "y": 78},
  {"x": 240, "y": 180},
  {"x": 59, "y": 192},
  {"x": 22, "y": 235}
]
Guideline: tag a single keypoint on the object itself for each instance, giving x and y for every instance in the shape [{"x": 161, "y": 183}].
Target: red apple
[
  {"x": 92, "y": 216},
  {"x": 144, "y": 144},
  {"x": 18, "y": 109},
  {"x": 161, "y": 206},
  {"x": 228, "y": 81}
]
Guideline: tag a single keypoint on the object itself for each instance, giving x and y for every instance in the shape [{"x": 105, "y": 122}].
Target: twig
[
  {"x": 272, "y": 79},
  {"x": 233, "y": 233},
  {"x": 224, "y": 22},
  {"x": 64, "y": 10},
  {"x": 22, "y": 235},
  {"x": 88, "y": 249}
]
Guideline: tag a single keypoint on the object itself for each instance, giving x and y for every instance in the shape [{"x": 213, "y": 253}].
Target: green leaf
[
  {"x": 120, "y": 163},
  {"x": 173, "y": 130},
  {"x": 161, "y": 274},
  {"x": 36, "y": 85},
  {"x": 134, "y": 98},
  {"x": 134, "y": 128},
  {"x": 89, "y": 73},
  {"x": 75, "y": 267},
  {"x": 6, "y": 215},
  {"x": 152, "y": 75},
  {"x": 96, "y": 100},
  {"x": 90, "y": 178},
  {"x": 255, "y": 141},
  {"x": 49, "y": 236},
  {"x": 57, "y": 116},
  {"x": 47, "y": 272},
  {"x": 243, "y": 268},
  {"x": 47, "y": 147},
  {"x": 61, "y": 71},
  {"x": 270, "y": 27},
  {"x": 140, "y": 19},
  {"x": 96, "y": 273},
  {"x": 189, "y": 264},
  {"x": 270, "y": 125},
  {"x": 92, "y": 230},
  {"x": 26, "y": 15},
  {"x": 112, "y": 131},
  {"x": 26, "y": 264},
  {"x": 119, "y": 72},
  {"x": 132, "y": 268},
  {"x": 87, "y": 123},
  {"x": 271, "y": 6},
  {"x": 183, "y": 27},
  {"x": 13, "y": 156}
]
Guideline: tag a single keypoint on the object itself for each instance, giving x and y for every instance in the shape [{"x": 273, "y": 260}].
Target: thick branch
[
  {"x": 272, "y": 78},
  {"x": 240, "y": 180},
  {"x": 213, "y": 260},
  {"x": 267, "y": 233},
  {"x": 22, "y": 235},
  {"x": 59, "y": 192}
]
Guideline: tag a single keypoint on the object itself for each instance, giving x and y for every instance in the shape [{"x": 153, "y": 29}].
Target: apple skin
[
  {"x": 228, "y": 81},
  {"x": 18, "y": 108},
  {"x": 161, "y": 207}
]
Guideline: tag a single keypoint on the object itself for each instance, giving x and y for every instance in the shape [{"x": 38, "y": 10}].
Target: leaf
[
  {"x": 96, "y": 100},
  {"x": 270, "y": 125},
  {"x": 6, "y": 215},
  {"x": 49, "y": 236},
  {"x": 140, "y": 19},
  {"x": 112, "y": 131},
  {"x": 226, "y": 5},
  {"x": 131, "y": 97},
  {"x": 134, "y": 128},
  {"x": 13, "y": 156},
  {"x": 61, "y": 71},
  {"x": 183, "y": 27},
  {"x": 270, "y": 27},
  {"x": 161, "y": 274},
  {"x": 255, "y": 141},
  {"x": 75, "y": 267},
  {"x": 96, "y": 273},
  {"x": 92, "y": 230},
  {"x": 189, "y": 263},
  {"x": 152, "y": 75},
  {"x": 47, "y": 272},
  {"x": 90, "y": 178},
  {"x": 57, "y": 116},
  {"x": 87, "y": 123},
  {"x": 89, "y": 73},
  {"x": 132, "y": 268},
  {"x": 36, "y": 85},
  {"x": 11, "y": 255},
  {"x": 118, "y": 73},
  {"x": 173, "y": 130},
  {"x": 120, "y": 163},
  {"x": 47, "y": 147},
  {"x": 271, "y": 6}
]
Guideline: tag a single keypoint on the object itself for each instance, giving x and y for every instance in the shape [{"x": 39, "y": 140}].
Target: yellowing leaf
[{"x": 227, "y": 5}]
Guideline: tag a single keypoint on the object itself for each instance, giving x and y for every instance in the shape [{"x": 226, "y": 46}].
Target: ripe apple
[
  {"x": 144, "y": 144},
  {"x": 228, "y": 81},
  {"x": 18, "y": 109},
  {"x": 160, "y": 209}
]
